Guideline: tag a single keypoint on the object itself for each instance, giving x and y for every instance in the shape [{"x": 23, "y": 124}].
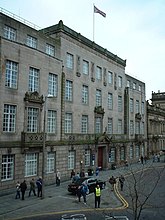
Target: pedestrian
[
  {"x": 82, "y": 173},
  {"x": 121, "y": 180},
  {"x": 145, "y": 159},
  {"x": 78, "y": 193},
  {"x": 112, "y": 181},
  {"x": 97, "y": 193},
  {"x": 58, "y": 178},
  {"x": 72, "y": 174},
  {"x": 32, "y": 187},
  {"x": 84, "y": 191},
  {"x": 23, "y": 187},
  {"x": 153, "y": 158},
  {"x": 158, "y": 158},
  {"x": 76, "y": 177},
  {"x": 39, "y": 187},
  {"x": 141, "y": 159},
  {"x": 97, "y": 171},
  {"x": 17, "y": 196}
]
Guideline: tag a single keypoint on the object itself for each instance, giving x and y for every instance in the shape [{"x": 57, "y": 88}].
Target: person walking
[
  {"x": 121, "y": 180},
  {"x": 32, "y": 187},
  {"x": 72, "y": 174},
  {"x": 84, "y": 192},
  {"x": 112, "y": 181},
  {"x": 78, "y": 193},
  {"x": 58, "y": 178},
  {"x": 39, "y": 187},
  {"x": 142, "y": 159},
  {"x": 23, "y": 187},
  {"x": 17, "y": 196},
  {"x": 97, "y": 193}
]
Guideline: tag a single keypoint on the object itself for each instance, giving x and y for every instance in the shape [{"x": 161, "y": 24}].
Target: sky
[{"x": 132, "y": 29}]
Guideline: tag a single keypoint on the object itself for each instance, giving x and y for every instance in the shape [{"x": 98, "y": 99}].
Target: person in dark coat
[
  {"x": 79, "y": 194},
  {"x": 121, "y": 180},
  {"x": 112, "y": 181},
  {"x": 23, "y": 187},
  {"x": 39, "y": 187},
  {"x": 32, "y": 187}
]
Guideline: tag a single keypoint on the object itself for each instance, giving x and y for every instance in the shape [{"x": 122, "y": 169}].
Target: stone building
[
  {"x": 66, "y": 101},
  {"x": 156, "y": 123}
]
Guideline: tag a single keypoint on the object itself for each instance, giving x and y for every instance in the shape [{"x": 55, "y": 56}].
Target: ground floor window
[
  {"x": 71, "y": 160},
  {"x": 31, "y": 164},
  {"x": 50, "y": 162},
  {"x": 122, "y": 153},
  {"x": 112, "y": 155},
  {"x": 137, "y": 152},
  {"x": 87, "y": 157},
  {"x": 7, "y": 167},
  {"x": 131, "y": 152}
]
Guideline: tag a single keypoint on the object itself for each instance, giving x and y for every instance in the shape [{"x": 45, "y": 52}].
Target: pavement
[{"x": 57, "y": 199}]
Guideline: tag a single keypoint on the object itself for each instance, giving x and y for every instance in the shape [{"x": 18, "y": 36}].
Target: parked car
[
  {"x": 73, "y": 217},
  {"x": 116, "y": 218},
  {"x": 90, "y": 181}
]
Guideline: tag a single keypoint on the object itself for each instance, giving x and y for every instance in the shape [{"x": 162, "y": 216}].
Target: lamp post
[{"x": 44, "y": 148}]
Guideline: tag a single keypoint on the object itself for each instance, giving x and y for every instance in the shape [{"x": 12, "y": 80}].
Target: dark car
[{"x": 90, "y": 181}]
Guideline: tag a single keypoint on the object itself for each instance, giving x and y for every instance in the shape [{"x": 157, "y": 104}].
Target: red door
[{"x": 100, "y": 157}]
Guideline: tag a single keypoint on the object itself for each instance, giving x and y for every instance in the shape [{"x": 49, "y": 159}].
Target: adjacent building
[{"x": 67, "y": 97}]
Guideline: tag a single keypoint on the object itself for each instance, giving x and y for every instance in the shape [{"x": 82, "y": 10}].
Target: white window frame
[
  {"x": 85, "y": 94},
  {"x": 85, "y": 67},
  {"x": 110, "y": 126},
  {"x": 31, "y": 164},
  {"x": 84, "y": 124},
  {"x": 9, "y": 33},
  {"x": 33, "y": 118},
  {"x": 7, "y": 167},
  {"x": 50, "y": 50},
  {"x": 9, "y": 118},
  {"x": 131, "y": 105},
  {"x": 51, "y": 121},
  {"x": 50, "y": 162},
  {"x": 87, "y": 157},
  {"x": 31, "y": 41},
  {"x": 11, "y": 75},
  {"x": 33, "y": 79},
  {"x": 71, "y": 160},
  {"x": 98, "y": 125},
  {"x": 69, "y": 61},
  {"x": 120, "y": 81},
  {"x": 110, "y": 101},
  {"x": 120, "y": 108},
  {"x": 53, "y": 84},
  {"x": 98, "y": 97},
  {"x": 98, "y": 73},
  {"x": 69, "y": 91},
  {"x": 68, "y": 123},
  {"x": 119, "y": 126},
  {"x": 110, "y": 77}
]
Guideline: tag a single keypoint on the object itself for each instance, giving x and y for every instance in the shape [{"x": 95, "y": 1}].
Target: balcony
[{"x": 31, "y": 139}]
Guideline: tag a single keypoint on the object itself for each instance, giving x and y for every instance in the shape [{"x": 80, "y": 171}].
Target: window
[
  {"x": 110, "y": 101},
  {"x": 98, "y": 125},
  {"x": 131, "y": 152},
  {"x": 98, "y": 73},
  {"x": 11, "y": 74},
  {"x": 50, "y": 162},
  {"x": 33, "y": 119},
  {"x": 110, "y": 126},
  {"x": 87, "y": 157},
  {"x": 128, "y": 83},
  {"x": 120, "y": 81},
  {"x": 119, "y": 126},
  {"x": 85, "y": 67},
  {"x": 30, "y": 164},
  {"x": 137, "y": 127},
  {"x": 122, "y": 153},
  {"x": 7, "y": 167},
  {"x": 53, "y": 85},
  {"x": 31, "y": 41},
  {"x": 119, "y": 103},
  {"x": 51, "y": 121},
  {"x": 84, "y": 124},
  {"x": 131, "y": 127},
  {"x": 113, "y": 155},
  {"x": 69, "y": 61},
  {"x": 9, "y": 118},
  {"x": 142, "y": 129},
  {"x": 71, "y": 160},
  {"x": 140, "y": 88},
  {"x": 142, "y": 108},
  {"x": 137, "y": 106},
  {"x": 68, "y": 90},
  {"x": 85, "y": 94},
  {"x": 131, "y": 106},
  {"x": 134, "y": 85},
  {"x": 110, "y": 77},
  {"x": 137, "y": 151},
  {"x": 98, "y": 97},
  {"x": 50, "y": 50},
  {"x": 68, "y": 123},
  {"x": 33, "y": 80},
  {"x": 9, "y": 33}
]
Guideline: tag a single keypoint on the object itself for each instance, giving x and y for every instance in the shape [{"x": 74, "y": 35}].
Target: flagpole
[{"x": 93, "y": 22}]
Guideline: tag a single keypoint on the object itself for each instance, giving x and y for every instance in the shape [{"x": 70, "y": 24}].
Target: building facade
[
  {"x": 156, "y": 123},
  {"x": 68, "y": 97}
]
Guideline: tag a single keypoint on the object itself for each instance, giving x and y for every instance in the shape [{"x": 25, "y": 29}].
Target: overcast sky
[{"x": 133, "y": 30}]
